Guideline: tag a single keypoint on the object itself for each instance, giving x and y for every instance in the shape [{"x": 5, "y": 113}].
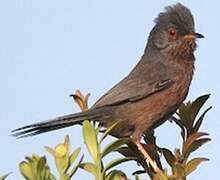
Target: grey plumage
[{"x": 161, "y": 78}]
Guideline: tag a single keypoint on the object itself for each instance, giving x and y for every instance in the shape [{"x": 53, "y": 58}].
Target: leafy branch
[{"x": 188, "y": 118}]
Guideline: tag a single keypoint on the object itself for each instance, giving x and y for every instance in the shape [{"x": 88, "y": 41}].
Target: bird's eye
[{"x": 172, "y": 32}]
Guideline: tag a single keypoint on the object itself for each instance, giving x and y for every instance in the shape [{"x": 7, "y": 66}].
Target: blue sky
[{"x": 50, "y": 48}]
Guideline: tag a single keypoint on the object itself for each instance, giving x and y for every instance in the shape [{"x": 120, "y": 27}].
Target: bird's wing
[{"x": 146, "y": 79}]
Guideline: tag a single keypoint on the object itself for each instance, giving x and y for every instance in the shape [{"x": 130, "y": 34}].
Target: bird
[{"x": 152, "y": 91}]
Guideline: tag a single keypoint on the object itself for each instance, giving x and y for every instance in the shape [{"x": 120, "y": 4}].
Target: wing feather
[{"x": 144, "y": 80}]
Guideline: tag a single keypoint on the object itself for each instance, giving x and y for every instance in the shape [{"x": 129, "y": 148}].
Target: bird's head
[{"x": 174, "y": 31}]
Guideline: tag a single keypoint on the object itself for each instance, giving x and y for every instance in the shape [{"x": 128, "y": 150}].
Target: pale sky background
[{"x": 50, "y": 48}]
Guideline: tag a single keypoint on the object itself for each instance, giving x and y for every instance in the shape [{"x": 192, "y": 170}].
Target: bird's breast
[
  {"x": 154, "y": 109},
  {"x": 149, "y": 112},
  {"x": 182, "y": 76}
]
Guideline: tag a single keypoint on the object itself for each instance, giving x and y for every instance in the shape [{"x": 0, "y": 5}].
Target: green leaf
[
  {"x": 193, "y": 137},
  {"x": 118, "y": 161},
  {"x": 139, "y": 172},
  {"x": 5, "y": 176},
  {"x": 90, "y": 138},
  {"x": 114, "y": 146},
  {"x": 89, "y": 167},
  {"x": 137, "y": 177},
  {"x": 184, "y": 114},
  {"x": 182, "y": 127},
  {"x": 73, "y": 171},
  {"x": 189, "y": 111},
  {"x": 116, "y": 175},
  {"x": 62, "y": 162},
  {"x": 161, "y": 175},
  {"x": 200, "y": 120},
  {"x": 197, "y": 105},
  {"x": 26, "y": 170},
  {"x": 41, "y": 164},
  {"x": 178, "y": 171},
  {"x": 74, "y": 155},
  {"x": 126, "y": 151},
  {"x": 35, "y": 168},
  {"x": 50, "y": 150},
  {"x": 192, "y": 164},
  {"x": 170, "y": 158},
  {"x": 67, "y": 142},
  {"x": 108, "y": 131}
]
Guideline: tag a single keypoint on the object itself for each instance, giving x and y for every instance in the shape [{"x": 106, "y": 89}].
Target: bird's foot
[
  {"x": 81, "y": 100},
  {"x": 147, "y": 157}
]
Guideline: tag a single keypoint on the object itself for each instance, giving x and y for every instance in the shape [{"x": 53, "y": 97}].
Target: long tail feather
[{"x": 57, "y": 123}]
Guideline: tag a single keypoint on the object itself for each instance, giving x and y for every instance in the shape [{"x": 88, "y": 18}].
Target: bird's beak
[
  {"x": 193, "y": 36},
  {"x": 198, "y": 35}
]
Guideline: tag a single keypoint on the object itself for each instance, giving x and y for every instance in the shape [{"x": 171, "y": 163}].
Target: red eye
[{"x": 172, "y": 32}]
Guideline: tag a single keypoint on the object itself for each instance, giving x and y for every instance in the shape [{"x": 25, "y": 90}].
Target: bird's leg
[
  {"x": 147, "y": 156},
  {"x": 81, "y": 100},
  {"x": 149, "y": 160}
]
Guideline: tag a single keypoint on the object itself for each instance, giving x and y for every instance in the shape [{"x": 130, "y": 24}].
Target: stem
[{"x": 153, "y": 164}]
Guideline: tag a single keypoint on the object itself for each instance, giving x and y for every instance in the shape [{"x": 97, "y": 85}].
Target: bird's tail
[{"x": 58, "y": 123}]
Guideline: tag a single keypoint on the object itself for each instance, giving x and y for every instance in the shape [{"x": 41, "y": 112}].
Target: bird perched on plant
[{"x": 152, "y": 91}]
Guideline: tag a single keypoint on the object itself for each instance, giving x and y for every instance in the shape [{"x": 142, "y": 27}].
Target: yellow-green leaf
[
  {"x": 74, "y": 155},
  {"x": 118, "y": 161},
  {"x": 192, "y": 164},
  {"x": 90, "y": 138},
  {"x": 108, "y": 131},
  {"x": 60, "y": 151},
  {"x": 67, "y": 143},
  {"x": 179, "y": 170},
  {"x": 26, "y": 170},
  {"x": 116, "y": 175},
  {"x": 50, "y": 150},
  {"x": 73, "y": 171},
  {"x": 5, "y": 176},
  {"x": 89, "y": 167},
  {"x": 61, "y": 158},
  {"x": 41, "y": 164},
  {"x": 137, "y": 177},
  {"x": 114, "y": 146},
  {"x": 161, "y": 175}
]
